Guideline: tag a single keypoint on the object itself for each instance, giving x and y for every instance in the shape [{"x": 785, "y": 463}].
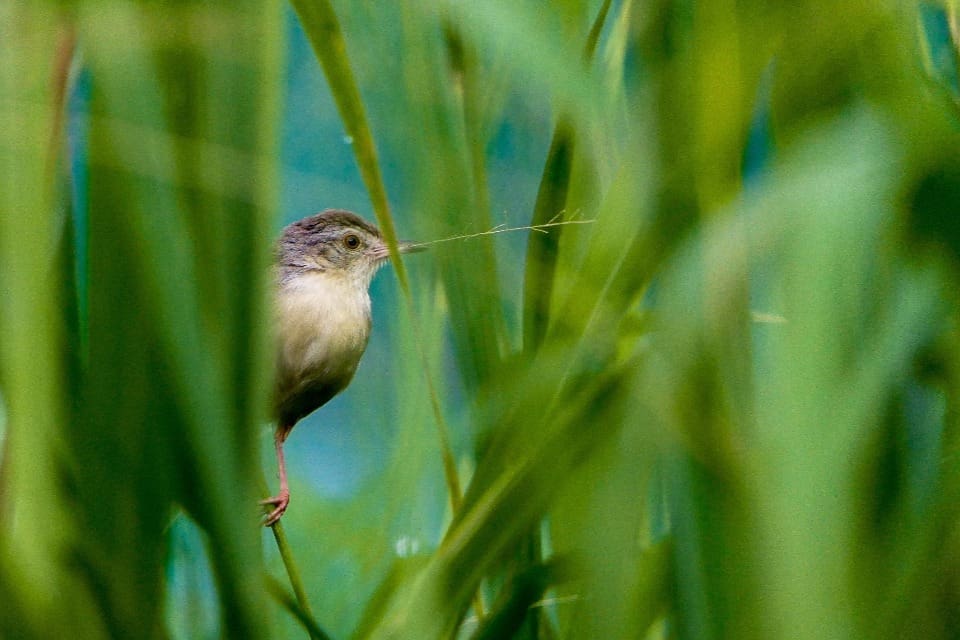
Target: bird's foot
[{"x": 279, "y": 503}]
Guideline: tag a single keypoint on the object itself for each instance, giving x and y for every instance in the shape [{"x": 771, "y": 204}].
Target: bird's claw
[{"x": 279, "y": 503}]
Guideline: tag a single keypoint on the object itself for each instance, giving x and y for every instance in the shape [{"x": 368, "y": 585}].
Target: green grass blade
[
  {"x": 180, "y": 194},
  {"x": 326, "y": 37},
  {"x": 32, "y": 366}
]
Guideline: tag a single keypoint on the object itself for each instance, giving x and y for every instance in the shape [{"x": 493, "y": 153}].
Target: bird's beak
[
  {"x": 381, "y": 252},
  {"x": 411, "y": 247}
]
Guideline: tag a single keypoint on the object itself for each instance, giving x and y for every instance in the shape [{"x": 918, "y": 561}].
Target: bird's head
[{"x": 336, "y": 242}]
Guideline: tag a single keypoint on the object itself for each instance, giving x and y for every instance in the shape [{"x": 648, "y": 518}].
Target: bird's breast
[{"x": 324, "y": 325}]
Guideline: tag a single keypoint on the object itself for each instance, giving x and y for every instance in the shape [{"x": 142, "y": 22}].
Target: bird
[{"x": 324, "y": 265}]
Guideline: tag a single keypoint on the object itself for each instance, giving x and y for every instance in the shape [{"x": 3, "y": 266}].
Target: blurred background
[{"x": 718, "y": 401}]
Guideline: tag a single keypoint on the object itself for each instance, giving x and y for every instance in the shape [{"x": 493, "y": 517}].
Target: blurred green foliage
[{"x": 721, "y": 409}]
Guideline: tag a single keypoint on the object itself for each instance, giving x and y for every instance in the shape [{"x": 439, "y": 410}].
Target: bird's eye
[{"x": 351, "y": 241}]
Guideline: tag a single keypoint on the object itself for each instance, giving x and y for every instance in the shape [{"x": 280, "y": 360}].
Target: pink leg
[{"x": 282, "y": 499}]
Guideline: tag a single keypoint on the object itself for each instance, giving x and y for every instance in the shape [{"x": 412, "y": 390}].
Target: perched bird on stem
[{"x": 325, "y": 263}]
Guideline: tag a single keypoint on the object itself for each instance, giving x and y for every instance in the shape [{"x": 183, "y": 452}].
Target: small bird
[{"x": 325, "y": 263}]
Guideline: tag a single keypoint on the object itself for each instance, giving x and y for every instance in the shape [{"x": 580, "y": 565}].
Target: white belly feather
[{"x": 324, "y": 323}]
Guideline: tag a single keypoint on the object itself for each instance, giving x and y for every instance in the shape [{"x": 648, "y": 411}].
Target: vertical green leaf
[{"x": 35, "y": 527}]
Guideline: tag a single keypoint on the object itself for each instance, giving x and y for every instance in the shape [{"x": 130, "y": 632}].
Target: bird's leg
[{"x": 280, "y": 501}]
